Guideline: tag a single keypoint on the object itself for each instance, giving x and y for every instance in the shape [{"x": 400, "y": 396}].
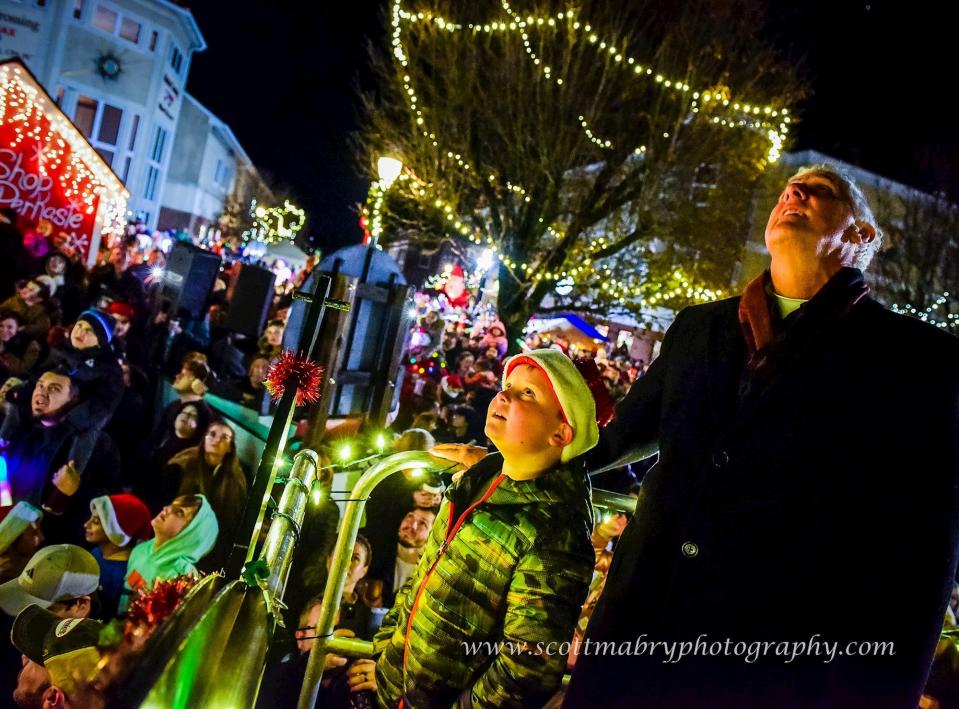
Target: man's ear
[
  {"x": 53, "y": 698},
  {"x": 860, "y": 233},
  {"x": 562, "y": 436}
]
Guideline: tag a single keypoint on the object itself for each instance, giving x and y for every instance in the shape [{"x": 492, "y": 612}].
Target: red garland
[
  {"x": 150, "y": 608},
  {"x": 290, "y": 370}
]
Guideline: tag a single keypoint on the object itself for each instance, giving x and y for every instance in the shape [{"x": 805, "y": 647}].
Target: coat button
[
  {"x": 721, "y": 459},
  {"x": 690, "y": 550}
]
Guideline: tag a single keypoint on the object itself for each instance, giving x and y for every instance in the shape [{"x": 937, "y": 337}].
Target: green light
[
  {"x": 345, "y": 452},
  {"x": 380, "y": 441},
  {"x": 416, "y": 472},
  {"x": 317, "y": 494}
]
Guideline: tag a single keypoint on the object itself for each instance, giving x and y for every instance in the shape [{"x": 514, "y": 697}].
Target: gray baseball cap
[{"x": 56, "y": 573}]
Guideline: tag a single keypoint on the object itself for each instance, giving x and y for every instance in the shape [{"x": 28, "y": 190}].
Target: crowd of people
[{"x": 121, "y": 474}]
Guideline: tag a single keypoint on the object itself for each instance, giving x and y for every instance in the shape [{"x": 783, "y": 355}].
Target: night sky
[{"x": 285, "y": 79}]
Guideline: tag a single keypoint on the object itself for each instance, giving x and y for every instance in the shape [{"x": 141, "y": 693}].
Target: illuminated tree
[
  {"x": 600, "y": 146},
  {"x": 917, "y": 271}
]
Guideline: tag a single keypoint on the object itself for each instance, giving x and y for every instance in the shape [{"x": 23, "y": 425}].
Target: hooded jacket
[
  {"x": 174, "y": 557},
  {"x": 514, "y": 570}
]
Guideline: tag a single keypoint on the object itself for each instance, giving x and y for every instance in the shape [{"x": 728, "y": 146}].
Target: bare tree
[
  {"x": 920, "y": 257},
  {"x": 604, "y": 147}
]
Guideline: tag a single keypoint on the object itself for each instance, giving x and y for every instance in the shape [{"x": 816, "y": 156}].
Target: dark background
[{"x": 285, "y": 76}]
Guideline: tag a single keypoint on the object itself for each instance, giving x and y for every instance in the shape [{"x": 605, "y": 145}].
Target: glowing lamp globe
[{"x": 388, "y": 170}]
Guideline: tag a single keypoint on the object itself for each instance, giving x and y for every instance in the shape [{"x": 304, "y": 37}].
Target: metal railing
[
  {"x": 339, "y": 566},
  {"x": 326, "y": 643}
]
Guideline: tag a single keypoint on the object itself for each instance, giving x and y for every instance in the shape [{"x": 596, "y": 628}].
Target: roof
[
  {"x": 222, "y": 129},
  {"x": 186, "y": 17},
  {"x": 78, "y": 142}
]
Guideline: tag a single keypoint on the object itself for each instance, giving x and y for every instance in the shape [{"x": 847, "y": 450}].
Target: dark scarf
[{"x": 770, "y": 341}]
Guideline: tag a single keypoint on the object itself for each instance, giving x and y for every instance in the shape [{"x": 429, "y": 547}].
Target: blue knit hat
[{"x": 102, "y": 325}]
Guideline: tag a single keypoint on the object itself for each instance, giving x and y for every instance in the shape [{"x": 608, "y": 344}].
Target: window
[
  {"x": 176, "y": 59},
  {"x": 59, "y": 97},
  {"x": 112, "y": 22},
  {"x": 85, "y": 115},
  {"x": 130, "y": 30},
  {"x": 100, "y": 123},
  {"x": 152, "y": 183},
  {"x": 77, "y": 9},
  {"x": 154, "y": 36},
  {"x": 105, "y": 19},
  {"x": 222, "y": 175},
  {"x": 153, "y": 178},
  {"x": 159, "y": 140}
]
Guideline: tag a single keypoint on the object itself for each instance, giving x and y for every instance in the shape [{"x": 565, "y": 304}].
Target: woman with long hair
[{"x": 213, "y": 469}]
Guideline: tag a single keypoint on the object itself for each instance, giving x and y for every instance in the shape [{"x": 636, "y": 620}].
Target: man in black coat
[{"x": 796, "y": 543}]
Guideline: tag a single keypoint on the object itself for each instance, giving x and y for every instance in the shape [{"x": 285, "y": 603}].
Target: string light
[
  {"x": 733, "y": 112},
  {"x": 60, "y": 152},
  {"x": 928, "y": 315},
  {"x": 273, "y": 224}
]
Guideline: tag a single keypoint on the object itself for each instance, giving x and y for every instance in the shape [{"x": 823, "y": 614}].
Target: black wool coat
[{"x": 823, "y": 509}]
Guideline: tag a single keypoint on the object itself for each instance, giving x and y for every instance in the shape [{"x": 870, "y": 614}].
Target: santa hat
[
  {"x": 101, "y": 323},
  {"x": 457, "y": 270},
  {"x": 578, "y": 400},
  {"x": 452, "y": 385},
  {"x": 124, "y": 310},
  {"x": 14, "y": 520},
  {"x": 124, "y": 518}
]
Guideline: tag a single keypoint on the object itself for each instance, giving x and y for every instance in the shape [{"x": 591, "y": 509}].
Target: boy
[
  {"x": 186, "y": 531},
  {"x": 508, "y": 561}
]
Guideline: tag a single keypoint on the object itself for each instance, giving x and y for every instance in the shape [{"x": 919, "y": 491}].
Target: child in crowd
[
  {"x": 20, "y": 537},
  {"x": 186, "y": 531},
  {"x": 93, "y": 366},
  {"x": 116, "y": 524},
  {"x": 508, "y": 559}
]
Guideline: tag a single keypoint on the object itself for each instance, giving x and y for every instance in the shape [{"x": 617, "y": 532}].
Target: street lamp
[{"x": 388, "y": 169}]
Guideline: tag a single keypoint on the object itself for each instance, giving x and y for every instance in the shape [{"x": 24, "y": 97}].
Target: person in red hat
[
  {"x": 116, "y": 524},
  {"x": 124, "y": 342}
]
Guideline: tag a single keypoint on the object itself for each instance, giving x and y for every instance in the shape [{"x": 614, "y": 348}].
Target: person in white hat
[
  {"x": 508, "y": 559},
  {"x": 62, "y": 578},
  {"x": 20, "y": 537}
]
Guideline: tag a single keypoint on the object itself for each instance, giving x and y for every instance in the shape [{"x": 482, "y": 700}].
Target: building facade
[
  {"x": 118, "y": 69},
  {"x": 208, "y": 167}
]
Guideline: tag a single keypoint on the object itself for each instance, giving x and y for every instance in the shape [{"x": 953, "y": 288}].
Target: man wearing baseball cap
[
  {"x": 60, "y": 657},
  {"x": 62, "y": 578},
  {"x": 20, "y": 536}
]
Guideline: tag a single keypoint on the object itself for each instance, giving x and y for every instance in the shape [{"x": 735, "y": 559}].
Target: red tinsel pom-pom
[
  {"x": 299, "y": 372},
  {"x": 605, "y": 406},
  {"x": 151, "y": 608}
]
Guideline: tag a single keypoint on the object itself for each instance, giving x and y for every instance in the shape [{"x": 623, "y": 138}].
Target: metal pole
[
  {"x": 288, "y": 521},
  {"x": 614, "y": 501},
  {"x": 343, "y": 553},
  {"x": 244, "y": 544}
]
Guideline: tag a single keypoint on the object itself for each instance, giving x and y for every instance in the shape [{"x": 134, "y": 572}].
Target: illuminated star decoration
[{"x": 274, "y": 224}]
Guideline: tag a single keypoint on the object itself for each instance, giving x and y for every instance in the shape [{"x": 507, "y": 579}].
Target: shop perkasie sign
[{"x": 40, "y": 188}]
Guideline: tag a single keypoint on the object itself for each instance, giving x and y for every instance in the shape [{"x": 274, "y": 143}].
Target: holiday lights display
[
  {"x": 930, "y": 315},
  {"x": 584, "y": 267},
  {"x": 48, "y": 170},
  {"x": 273, "y": 224}
]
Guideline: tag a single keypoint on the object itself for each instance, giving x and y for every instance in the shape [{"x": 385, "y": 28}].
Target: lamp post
[{"x": 388, "y": 169}]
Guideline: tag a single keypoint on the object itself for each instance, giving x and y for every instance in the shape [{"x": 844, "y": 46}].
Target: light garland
[
  {"x": 738, "y": 114},
  {"x": 927, "y": 315},
  {"x": 59, "y": 151},
  {"x": 274, "y": 224}
]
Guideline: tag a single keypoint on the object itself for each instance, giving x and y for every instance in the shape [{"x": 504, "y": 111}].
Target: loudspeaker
[
  {"x": 188, "y": 279},
  {"x": 250, "y": 296}
]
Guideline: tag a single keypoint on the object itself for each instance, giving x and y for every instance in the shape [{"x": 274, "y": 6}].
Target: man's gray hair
[{"x": 851, "y": 194}]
